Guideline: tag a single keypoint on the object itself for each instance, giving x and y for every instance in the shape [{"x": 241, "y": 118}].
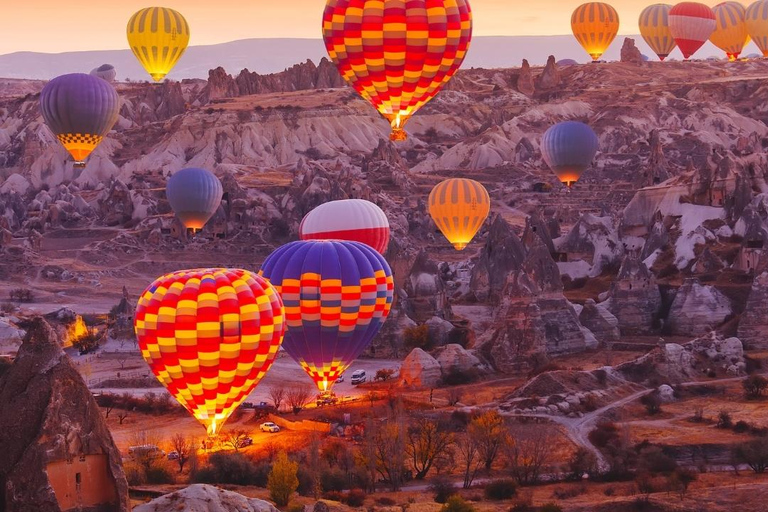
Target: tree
[
  {"x": 107, "y": 402},
  {"x": 282, "y": 481},
  {"x": 148, "y": 456},
  {"x": 298, "y": 396},
  {"x": 121, "y": 415},
  {"x": 528, "y": 453},
  {"x": 183, "y": 447},
  {"x": 680, "y": 480},
  {"x": 468, "y": 449},
  {"x": 386, "y": 443},
  {"x": 384, "y": 374},
  {"x": 277, "y": 395},
  {"x": 754, "y": 386},
  {"x": 491, "y": 435},
  {"x": 652, "y": 402},
  {"x": 425, "y": 444},
  {"x": 454, "y": 396},
  {"x": 754, "y": 454},
  {"x": 724, "y": 420},
  {"x": 582, "y": 462},
  {"x": 86, "y": 342},
  {"x": 235, "y": 439},
  {"x": 122, "y": 359},
  {"x": 417, "y": 337},
  {"x": 457, "y": 504}
]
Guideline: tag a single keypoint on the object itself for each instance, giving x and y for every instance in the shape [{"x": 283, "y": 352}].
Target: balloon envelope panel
[{"x": 337, "y": 295}]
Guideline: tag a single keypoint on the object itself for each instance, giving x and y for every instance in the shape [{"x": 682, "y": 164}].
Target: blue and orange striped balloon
[
  {"x": 337, "y": 295},
  {"x": 654, "y": 27}
]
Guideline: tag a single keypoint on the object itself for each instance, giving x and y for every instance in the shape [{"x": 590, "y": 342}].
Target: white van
[
  {"x": 145, "y": 450},
  {"x": 358, "y": 377}
]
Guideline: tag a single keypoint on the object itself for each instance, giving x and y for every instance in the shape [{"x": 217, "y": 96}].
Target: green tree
[
  {"x": 282, "y": 481},
  {"x": 754, "y": 386},
  {"x": 457, "y": 504}
]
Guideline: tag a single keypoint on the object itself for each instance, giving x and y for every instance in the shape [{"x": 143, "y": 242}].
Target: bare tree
[
  {"x": 528, "y": 451},
  {"x": 235, "y": 439},
  {"x": 147, "y": 443},
  {"x": 121, "y": 415},
  {"x": 277, "y": 395},
  {"x": 183, "y": 446},
  {"x": 385, "y": 446},
  {"x": 122, "y": 360},
  {"x": 468, "y": 449},
  {"x": 298, "y": 396},
  {"x": 426, "y": 442},
  {"x": 454, "y": 396}
]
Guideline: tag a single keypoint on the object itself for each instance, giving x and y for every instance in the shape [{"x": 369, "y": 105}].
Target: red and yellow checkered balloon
[
  {"x": 210, "y": 335},
  {"x": 397, "y": 54}
]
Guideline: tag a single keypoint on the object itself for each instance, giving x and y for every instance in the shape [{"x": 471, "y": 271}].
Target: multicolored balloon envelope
[
  {"x": 356, "y": 220},
  {"x": 396, "y": 54},
  {"x": 459, "y": 207},
  {"x": 158, "y": 37},
  {"x": 210, "y": 335},
  {"x": 568, "y": 148},
  {"x": 757, "y": 24},
  {"x": 730, "y": 33},
  {"x": 595, "y": 25},
  {"x": 195, "y": 195},
  {"x": 691, "y": 24},
  {"x": 80, "y": 110},
  {"x": 337, "y": 295},
  {"x": 654, "y": 27}
]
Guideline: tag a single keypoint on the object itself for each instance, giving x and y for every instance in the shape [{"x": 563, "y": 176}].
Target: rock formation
[
  {"x": 600, "y": 322},
  {"x": 630, "y": 53},
  {"x": 525, "y": 79},
  {"x": 420, "y": 370},
  {"x": 503, "y": 253},
  {"x": 753, "y": 325},
  {"x": 205, "y": 498},
  {"x": 550, "y": 78},
  {"x": 593, "y": 240},
  {"x": 57, "y": 451},
  {"x": 455, "y": 358},
  {"x": 425, "y": 292},
  {"x": 697, "y": 309},
  {"x": 634, "y": 298}
]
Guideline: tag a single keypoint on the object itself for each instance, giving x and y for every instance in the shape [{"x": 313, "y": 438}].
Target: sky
[{"x": 54, "y": 26}]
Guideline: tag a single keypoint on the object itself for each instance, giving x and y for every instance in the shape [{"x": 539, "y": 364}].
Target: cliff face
[{"x": 57, "y": 451}]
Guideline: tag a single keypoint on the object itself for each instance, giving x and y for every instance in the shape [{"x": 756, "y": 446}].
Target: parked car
[
  {"x": 341, "y": 378},
  {"x": 269, "y": 427},
  {"x": 246, "y": 441},
  {"x": 174, "y": 455},
  {"x": 358, "y": 377},
  {"x": 247, "y": 405}
]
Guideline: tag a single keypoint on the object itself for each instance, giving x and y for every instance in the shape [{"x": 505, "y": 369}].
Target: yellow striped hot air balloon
[
  {"x": 595, "y": 25},
  {"x": 757, "y": 24},
  {"x": 730, "y": 33},
  {"x": 158, "y": 37},
  {"x": 459, "y": 206},
  {"x": 654, "y": 27}
]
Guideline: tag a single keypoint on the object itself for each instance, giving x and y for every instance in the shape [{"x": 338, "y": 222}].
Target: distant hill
[{"x": 273, "y": 55}]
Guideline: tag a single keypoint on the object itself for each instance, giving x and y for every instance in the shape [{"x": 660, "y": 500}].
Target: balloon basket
[
  {"x": 398, "y": 135},
  {"x": 79, "y": 165}
]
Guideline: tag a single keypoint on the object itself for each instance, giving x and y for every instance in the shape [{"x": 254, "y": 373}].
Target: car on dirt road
[
  {"x": 245, "y": 441},
  {"x": 358, "y": 377},
  {"x": 270, "y": 427}
]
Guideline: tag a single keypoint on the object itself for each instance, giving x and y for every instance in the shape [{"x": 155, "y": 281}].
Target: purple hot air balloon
[
  {"x": 569, "y": 148},
  {"x": 337, "y": 295},
  {"x": 195, "y": 195},
  {"x": 80, "y": 110}
]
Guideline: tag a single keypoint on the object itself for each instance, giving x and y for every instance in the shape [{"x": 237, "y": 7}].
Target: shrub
[
  {"x": 134, "y": 473},
  {"x": 295, "y": 507},
  {"x": 442, "y": 488},
  {"x": 333, "y": 480},
  {"x": 457, "y": 377},
  {"x": 550, "y": 507},
  {"x": 754, "y": 386},
  {"x": 333, "y": 496},
  {"x": 21, "y": 295},
  {"x": 355, "y": 498},
  {"x": 652, "y": 402},
  {"x": 418, "y": 337},
  {"x": 385, "y": 501},
  {"x": 654, "y": 460},
  {"x": 741, "y": 427},
  {"x": 87, "y": 342},
  {"x": 230, "y": 468},
  {"x": 457, "y": 504},
  {"x": 502, "y": 489},
  {"x": 160, "y": 474},
  {"x": 384, "y": 374},
  {"x": 724, "y": 420},
  {"x": 603, "y": 433}
]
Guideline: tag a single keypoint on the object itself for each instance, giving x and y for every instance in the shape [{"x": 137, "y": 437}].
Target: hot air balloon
[
  {"x": 209, "y": 336},
  {"x": 80, "y": 110},
  {"x": 105, "y": 72},
  {"x": 349, "y": 219},
  {"x": 757, "y": 24},
  {"x": 337, "y": 295},
  {"x": 568, "y": 149},
  {"x": 194, "y": 195},
  {"x": 691, "y": 24},
  {"x": 654, "y": 27},
  {"x": 158, "y": 37},
  {"x": 595, "y": 25},
  {"x": 730, "y": 33},
  {"x": 566, "y": 62},
  {"x": 459, "y": 206},
  {"x": 397, "y": 55}
]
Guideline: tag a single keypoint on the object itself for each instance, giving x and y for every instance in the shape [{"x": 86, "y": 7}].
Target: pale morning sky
[{"x": 56, "y": 26}]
